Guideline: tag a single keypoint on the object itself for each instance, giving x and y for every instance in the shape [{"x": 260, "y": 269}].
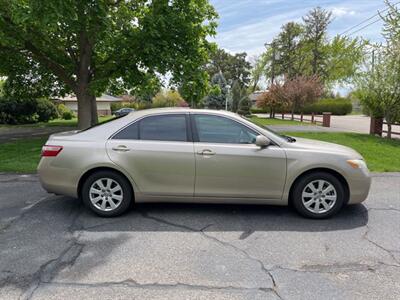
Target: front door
[
  {"x": 229, "y": 164},
  {"x": 157, "y": 152}
]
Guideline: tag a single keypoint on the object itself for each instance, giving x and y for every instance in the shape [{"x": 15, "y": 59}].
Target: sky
[{"x": 246, "y": 25}]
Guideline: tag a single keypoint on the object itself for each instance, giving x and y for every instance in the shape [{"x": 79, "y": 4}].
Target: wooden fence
[
  {"x": 379, "y": 126},
  {"x": 324, "y": 119}
]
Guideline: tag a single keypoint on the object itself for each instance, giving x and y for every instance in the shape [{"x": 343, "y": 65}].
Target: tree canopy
[
  {"x": 233, "y": 67},
  {"x": 86, "y": 46},
  {"x": 304, "y": 49}
]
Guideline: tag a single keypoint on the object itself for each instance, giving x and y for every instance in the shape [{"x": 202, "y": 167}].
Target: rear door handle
[
  {"x": 206, "y": 152},
  {"x": 121, "y": 148}
]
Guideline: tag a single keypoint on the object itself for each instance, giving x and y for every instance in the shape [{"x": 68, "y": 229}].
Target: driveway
[
  {"x": 350, "y": 123},
  {"x": 52, "y": 248}
]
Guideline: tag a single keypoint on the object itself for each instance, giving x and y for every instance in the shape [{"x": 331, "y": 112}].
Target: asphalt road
[{"x": 52, "y": 248}]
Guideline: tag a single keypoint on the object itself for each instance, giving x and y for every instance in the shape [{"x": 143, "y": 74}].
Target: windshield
[{"x": 276, "y": 134}]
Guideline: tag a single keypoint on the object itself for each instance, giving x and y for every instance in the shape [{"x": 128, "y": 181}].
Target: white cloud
[
  {"x": 251, "y": 37},
  {"x": 338, "y": 12}
]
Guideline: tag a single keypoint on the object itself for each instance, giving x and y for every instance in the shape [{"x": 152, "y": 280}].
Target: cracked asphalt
[{"x": 52, "y": 248}]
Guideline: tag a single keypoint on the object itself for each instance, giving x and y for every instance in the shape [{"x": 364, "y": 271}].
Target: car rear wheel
[
  {"x": 107, "y": 193},
  {"x": 318, "y": 195}
]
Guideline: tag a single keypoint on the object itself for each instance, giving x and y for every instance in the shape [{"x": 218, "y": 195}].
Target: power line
[
  {"x": 366, "y": 20},
  {"x": 369, "y": 24}
]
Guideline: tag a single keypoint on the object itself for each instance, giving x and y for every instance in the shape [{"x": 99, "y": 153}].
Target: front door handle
[
  {"x": 206, "y": 152},
  {"x": 121, "y": 148}
]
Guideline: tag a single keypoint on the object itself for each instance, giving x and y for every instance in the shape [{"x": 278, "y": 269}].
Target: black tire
[
  {"x": 127, "y": 193},
  {"x": 301, "y": 184}
]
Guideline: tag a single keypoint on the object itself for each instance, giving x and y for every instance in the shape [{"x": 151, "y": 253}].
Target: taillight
[{"x": 48, "y": 150}]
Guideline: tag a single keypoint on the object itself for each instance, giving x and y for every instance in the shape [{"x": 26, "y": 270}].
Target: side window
[
  {"x": 164, "y": 128},
  {"x": 129, "y": 133},
  {"x": 215, "y": 129}
]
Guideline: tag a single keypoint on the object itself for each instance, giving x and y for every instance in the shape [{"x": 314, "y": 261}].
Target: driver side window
[{"x": 216, "y": 129}]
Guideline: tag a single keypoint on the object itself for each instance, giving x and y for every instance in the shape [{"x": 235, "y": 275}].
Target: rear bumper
[{"x": 57, "y": 180}]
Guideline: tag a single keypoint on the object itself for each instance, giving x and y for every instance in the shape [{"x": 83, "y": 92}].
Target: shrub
[
  {"x": 64, "y": 112},
  {"x": 67, "y": 115},
  {"x": 45, "y": 110},
  {"x": 338, "y": 106},
  {"x": 255, "y": 110},
  {"x": 116, "y": 106},
  {"x": 168, "y": 99},
  {"x": 24, "y": 111},
  {"x": 244, "y": 107}
]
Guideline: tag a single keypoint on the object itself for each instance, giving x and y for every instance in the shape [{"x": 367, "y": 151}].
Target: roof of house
[
  {"x": 253, "y": 96},
  {"x": 102, "y": 98}
]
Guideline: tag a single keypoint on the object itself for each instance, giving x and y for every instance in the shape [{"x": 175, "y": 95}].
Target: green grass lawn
[
  {"x": 268, "y": 121},
  {"x": 21, "y": 156},
  {"x": 56, "y": 122},
  {"x": 382, "y": 155}
]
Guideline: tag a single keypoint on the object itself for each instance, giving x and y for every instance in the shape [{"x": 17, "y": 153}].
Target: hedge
[
  {"x": 23, "y": 111},
  {"x": 339, "y": 106}
]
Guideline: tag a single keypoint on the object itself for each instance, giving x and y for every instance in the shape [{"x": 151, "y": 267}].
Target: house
[
  {"x": 103, "y": 103},
  {"x": 254, "y": 96}
]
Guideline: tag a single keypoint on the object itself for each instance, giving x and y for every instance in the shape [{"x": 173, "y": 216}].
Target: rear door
[
  {"x": 229, "y": 164},
  {"x": 157, "y": 151}
]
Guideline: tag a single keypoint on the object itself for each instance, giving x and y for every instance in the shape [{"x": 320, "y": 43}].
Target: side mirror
[{"x": 262, "y": 141}]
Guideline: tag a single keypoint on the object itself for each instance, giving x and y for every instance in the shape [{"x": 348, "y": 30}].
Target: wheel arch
[
  {"x": 339, "y": 176},
  {"x": 91, "y": 171}
]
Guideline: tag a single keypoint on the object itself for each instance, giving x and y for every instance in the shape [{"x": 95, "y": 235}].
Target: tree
[
  {"x": 289, "y": 46},
  {"x": 2, "y": 82},
  {"x": 293, "y": 94},
  {"x": 88, "y": 45},
  {"x": 378, "y": 87},
  {"x": 258, "y": 70},
  {"x": 316, "y": 24},
  {"x": 303, "y": 49},
  {"x": 302, "y": 90},
  {"x": 218, "y": 94},
  {"x": 271, "y": 100},
  {"x": 168, "y": 98},
  {"x": 244, "y": 106},
  {"x": 238, "y": 94},
  {"x": 233, "y": 67}
]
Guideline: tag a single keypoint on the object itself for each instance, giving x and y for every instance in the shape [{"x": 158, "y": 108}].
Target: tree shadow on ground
[{"x": 217, "y": 217}]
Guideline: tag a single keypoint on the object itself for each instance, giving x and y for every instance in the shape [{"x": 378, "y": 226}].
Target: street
[{"x": 53, "y": 248}]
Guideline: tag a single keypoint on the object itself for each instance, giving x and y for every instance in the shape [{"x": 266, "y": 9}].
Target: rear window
[
  {"x": 129, "y": 133},
  {"x": 164, "y": 128},
  {"x": 156, "y": 128}
]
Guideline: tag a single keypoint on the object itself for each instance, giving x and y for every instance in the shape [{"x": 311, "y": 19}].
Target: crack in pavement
[
  {"x": 49, "y": 269},
  {"x": 336, "y": 268},
  {"x": 223, "y": 243},
  {"x": 388, "y": 251},
  {"x": 134, "y": 284}
]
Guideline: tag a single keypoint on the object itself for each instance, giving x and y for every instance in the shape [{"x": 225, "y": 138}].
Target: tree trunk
[
  {"x": 389, "y": 131},
  {"x": 94, "y": 119},
  {"x": 87, "y": 108}
]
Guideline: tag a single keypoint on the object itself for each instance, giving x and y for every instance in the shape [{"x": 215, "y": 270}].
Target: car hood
[{"x": 314, "y": 145}]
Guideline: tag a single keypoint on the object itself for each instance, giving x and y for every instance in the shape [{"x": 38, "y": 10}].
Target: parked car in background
[
  {"x": 123, "y": 111},
  {"x": 185, "y": 155}
]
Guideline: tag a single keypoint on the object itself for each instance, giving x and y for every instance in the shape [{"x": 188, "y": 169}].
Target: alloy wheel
[
  {"x": 319, "y": 196},
  {"x": 106, "y": 194}
]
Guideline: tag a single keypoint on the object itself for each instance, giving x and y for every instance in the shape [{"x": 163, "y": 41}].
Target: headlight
[{"x": 357, "y": 164}]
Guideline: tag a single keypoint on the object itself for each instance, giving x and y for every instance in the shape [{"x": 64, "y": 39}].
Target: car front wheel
[
  {"x": 318, "y": 195},
  {"x": 107, "y": 193}
]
